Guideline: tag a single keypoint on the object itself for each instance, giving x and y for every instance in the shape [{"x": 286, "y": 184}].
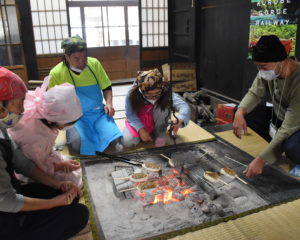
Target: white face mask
[
  {"x": 76, "y": 69},
  {"x": 152, "y": 101},
  {"x": 11, "y": 119},
  {"x": 268, "y": 75}
]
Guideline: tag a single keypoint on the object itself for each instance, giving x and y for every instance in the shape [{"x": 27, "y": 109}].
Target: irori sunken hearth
[{"x": 181, "y": 197}]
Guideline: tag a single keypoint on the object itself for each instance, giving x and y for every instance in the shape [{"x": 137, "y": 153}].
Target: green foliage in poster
[{"x": 283, "y": 32}]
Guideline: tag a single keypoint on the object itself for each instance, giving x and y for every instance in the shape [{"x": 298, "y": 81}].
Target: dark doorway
[{"x": 182, "y": 16}]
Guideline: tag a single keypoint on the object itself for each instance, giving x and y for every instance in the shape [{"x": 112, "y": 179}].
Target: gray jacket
[{"x": 10, "y": 201}]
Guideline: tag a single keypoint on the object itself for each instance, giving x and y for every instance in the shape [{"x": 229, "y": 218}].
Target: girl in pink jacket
[{"x": 47, "y": 112}]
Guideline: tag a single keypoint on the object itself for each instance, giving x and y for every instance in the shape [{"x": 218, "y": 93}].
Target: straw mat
[
  {"x": 250, "y": 143},
  {"x": 192, "y": 133},
  {"x": 277, "y": 223}
]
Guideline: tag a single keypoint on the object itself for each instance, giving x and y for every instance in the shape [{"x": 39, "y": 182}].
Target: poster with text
[{"x": 278, "y": 17}]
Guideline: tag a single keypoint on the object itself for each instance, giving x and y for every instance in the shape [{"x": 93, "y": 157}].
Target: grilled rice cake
[
  {"x": 228, "y": 171},
  {"x": 139, "y": 175},
  {"x": 212, "y": 176},
  {"x": 151, "y": 165}
]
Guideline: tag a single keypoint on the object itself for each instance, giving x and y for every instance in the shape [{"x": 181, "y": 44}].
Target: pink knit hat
[
  {"x": 60, "y": 104},
  {"x": 11, "y": 85}
]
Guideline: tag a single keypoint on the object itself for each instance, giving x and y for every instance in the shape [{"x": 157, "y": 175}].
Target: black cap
[{"x": 268, "y": 49}]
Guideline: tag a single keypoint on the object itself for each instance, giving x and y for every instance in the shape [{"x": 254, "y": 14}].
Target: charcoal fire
[{"x": 180, "y": 198}]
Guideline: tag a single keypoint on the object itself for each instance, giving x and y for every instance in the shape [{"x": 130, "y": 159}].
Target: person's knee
[
  {"x": 291, "y": 148},
  {"x": 82, "y": 216},
  {"x": 130, "y": 141},
  {"x": 73, "y": 140}
]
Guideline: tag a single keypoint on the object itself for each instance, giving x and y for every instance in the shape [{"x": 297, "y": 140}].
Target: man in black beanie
[{"x": 280, "y": 76}]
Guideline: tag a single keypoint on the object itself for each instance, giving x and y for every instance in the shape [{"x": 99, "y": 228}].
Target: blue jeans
[
  {"x": 291, "y": 147},
  {"x": 259, "y": 120}
]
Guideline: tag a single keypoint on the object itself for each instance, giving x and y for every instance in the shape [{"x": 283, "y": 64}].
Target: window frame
[
  {"x": 165, "y": 22},
  {"x": 39, "y": 26},
  {"x": 83, "y": 4},
  {"x": 8, "y": 43}
]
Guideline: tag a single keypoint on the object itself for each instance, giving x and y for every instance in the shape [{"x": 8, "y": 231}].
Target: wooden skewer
[
  {"x": 164, "y": 156},
  {"x": 171, "y": 161},
  {"x": 121, "y": 178},
  {"x": 216, "y": 180},
  {"x": 129, "y": 189},
  {"x": 223, "y": 181},
  {"x": 233, "y": 175},
  {"x": 241, "y": 179},
  {"x": 203, "y": 155},
  {"x": 236, "y": 161}
]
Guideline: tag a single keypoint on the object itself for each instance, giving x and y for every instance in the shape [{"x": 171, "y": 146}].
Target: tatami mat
[
  {"x": 250, "y": 143},
  {"x": 190, "y": 134},
  {"x": 277, "y": 223}
]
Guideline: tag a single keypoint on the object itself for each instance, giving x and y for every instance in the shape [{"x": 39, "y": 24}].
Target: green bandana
[{"x": 73, "y": 44}]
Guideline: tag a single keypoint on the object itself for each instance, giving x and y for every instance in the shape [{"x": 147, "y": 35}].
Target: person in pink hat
[
  {"x": 41, "y": 210},
  {"x": 47, "y": 112}
]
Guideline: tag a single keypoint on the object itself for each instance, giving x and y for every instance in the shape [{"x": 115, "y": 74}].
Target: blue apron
[{"x": 96, "y": 129}]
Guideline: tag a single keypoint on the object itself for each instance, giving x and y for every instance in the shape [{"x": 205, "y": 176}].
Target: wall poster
[{"x": 279, "y": 17}]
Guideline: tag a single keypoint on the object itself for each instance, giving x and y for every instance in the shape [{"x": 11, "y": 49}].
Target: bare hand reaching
[
  {"x": 239, "y": 123},
  {"x": 67, "y": 166},
  {"x": 176, "y": 126},
  {"x": 145, "y": 136},
  {"x": 255, "y": 167}
]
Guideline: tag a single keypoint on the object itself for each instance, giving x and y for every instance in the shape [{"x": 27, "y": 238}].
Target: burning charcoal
[
  {"x": 178, "y": 196},
  {"x": 163, "y": 181},
  {"x": 173, "y": 182},
  {"x": 149, "y": 198},
  {"x": 153, "y": 176},
  {"x": 179, "y": 189},
  {"x": 160, "y": 192}
]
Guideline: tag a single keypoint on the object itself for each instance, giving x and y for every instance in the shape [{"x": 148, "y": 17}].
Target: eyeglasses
[{"x": 156, "y": 96}]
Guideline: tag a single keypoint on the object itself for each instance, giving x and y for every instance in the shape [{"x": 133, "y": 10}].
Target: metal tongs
[{"x": 121, "y": 159}]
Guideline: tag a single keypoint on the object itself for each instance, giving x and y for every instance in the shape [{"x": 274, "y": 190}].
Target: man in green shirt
[
  {"x": 96, "y": 129},
  {"x": 280, "y": 76}
]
